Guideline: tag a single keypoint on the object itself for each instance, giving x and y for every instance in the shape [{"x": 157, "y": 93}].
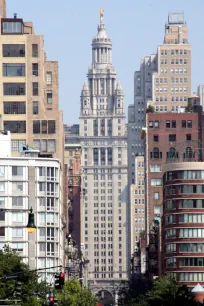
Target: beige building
[
  {"x": 171, "y": 85},
  {"x": 137, "y": 199},
  {"x": 29, "y": 89}
]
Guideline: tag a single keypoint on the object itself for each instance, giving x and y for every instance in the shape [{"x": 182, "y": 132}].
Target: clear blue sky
[{"x": 135, "y": 26}]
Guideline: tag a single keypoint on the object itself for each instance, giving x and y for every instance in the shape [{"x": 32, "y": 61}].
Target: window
[
  {"x": 2, "y": 216},
  {"x": 12, "y": 50},
  {"x": 17, "y": 187},
  {"x": 17, "y": 232},
  {"x": 17, "y": 217},
  {"x": 156, "y": 138},
  {"x": 49, "y": 77},
  {"x": 35, "y": 108},
  {"x": 17, "y": 171},
  {"x": 35, "y": 88},
  {"x": 51, "y": 126},
  {"x": 156, "y": 196},
  {"x": 156, "y": 154},
  {"x": 2, "y": 170},
  {"x": 36, "y": 127},
  {"x": 15, "y": 126},
  {"x": 173, "y": 124},
  {"x": 155, "y": 168},
  {"x": 17, "y": 202},
  {"x": 2, "y": 231},
  {"x": 183, "y": 123},
  {"x": 151, "y": 124},
  {"x": 14, "y": 70},
  {"x": 35, "y": 69},
  {"x": 15, "y": 108},
  {"x": 156, "y": 182},
  {"x": 9, "y": 27},
  {"x": 172, "y": 137},
  {"x": 14, "y": 89},
  {"x": 49, "y": 96},
  {"x": 188, "y": 137},
  {"x": 156, "y": 124},
  {"x": 35, "y": 50},
  {"x": 44, "y": 126},
  {"x": 189, "y": 124},
  {"x": 168, "y": 124},
  {"x": 51, "y": 146},
  {"x": 188, "y": 152},
  {"x": 2, "y": 186},
  {"x": 17, "y": 145}
]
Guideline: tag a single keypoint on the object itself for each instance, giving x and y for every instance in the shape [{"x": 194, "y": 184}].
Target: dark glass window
[
  {"x": 168, "y": 124},
  {"x": 14, "y": 108},
  {"x": 2, "y": 231},
  {"x": 183, "y": 123},
  {"x": 172, "y": 137},
  {"x": 188, "y": 136},
  {"x": 49, "y": 96},
  {"x": 44, "y": 126},
  {"x": 51, "y": 126},
  {"x": 189, "y": 123},
  {"x": 35, "y": 50},
  {"x": 35, "y": 108},
  {"x": 156, "y": 138},
  {"x": 13, "y": 69},
  {"x": 9, "y": 27},
  {"x": 174, "y": 124},
  {"x": 35, "y": 88},
  {"x": 35, "y": 69},
  {"x": 15, "y": 126},
  {"x": 13, "y": 50},
  {"x": 36, "y": 127},
  {"x": 14, "y": 89}
]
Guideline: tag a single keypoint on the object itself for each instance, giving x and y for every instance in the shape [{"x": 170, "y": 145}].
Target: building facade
[
  {"x": 29, "y": 89},
  {"x": 183, "y": 218},
  {"x": 137, "y": 203},
  {"x": 168, "y": 137},
  {"x": 163, "y": 81},
  {"x": 26, "y": 182},
  {"x": 104, "y": 164},
  {"x": 72, "y": 160}
]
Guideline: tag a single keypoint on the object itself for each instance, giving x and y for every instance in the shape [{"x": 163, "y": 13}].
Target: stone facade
[{"x": 103, "y": 140}]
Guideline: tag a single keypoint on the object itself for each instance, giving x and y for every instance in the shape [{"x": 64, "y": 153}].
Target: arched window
[
  {"x": 189, "y": 152},
  {"x": 172, "y": 152},
  {"x": 85, "y": 102},
  {"x": 156, "y": 153}
]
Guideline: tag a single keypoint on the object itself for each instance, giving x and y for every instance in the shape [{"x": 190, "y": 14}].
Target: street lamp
[{"x": 31, "y": 222}]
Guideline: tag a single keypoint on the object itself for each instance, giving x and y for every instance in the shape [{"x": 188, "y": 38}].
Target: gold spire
[{"x": 101, "y": 12}]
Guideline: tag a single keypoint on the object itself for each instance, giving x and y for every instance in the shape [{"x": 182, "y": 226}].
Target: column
[
  {"x": 110, "y": 86},
  {"x": 106, "y": 156},
  {"x": 110, "y": 56},
  {"x": 93, "y": 87},
  {"x": 99, "y": 55},
  {"x": 95, "y": 56},
  {"x": 98, "y": 81},
  {"x": 105, "y": 86}
]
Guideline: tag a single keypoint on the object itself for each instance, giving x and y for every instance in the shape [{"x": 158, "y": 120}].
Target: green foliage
[
  {"x": 150, "y": 109},
  {"x": 165, "y": 293},
  {"x": 12, "y": 269},
  {"x": 74, "y": 295}
]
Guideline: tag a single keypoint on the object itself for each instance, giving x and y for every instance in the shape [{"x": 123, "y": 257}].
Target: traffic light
[
  {"x": 57, "y": 281},
  {"x": 51, "y": 301},
  {"x": 61, "y": 279},
  {"x": 18, "y": 289}
]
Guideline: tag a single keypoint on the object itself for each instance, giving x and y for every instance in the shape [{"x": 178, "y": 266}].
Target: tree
[
  {"x": 13, "y": 270},
  {"x": 166, "y": 293},
  {"x": 75, "y": 295},
  {"x": 150, "y": 109}
]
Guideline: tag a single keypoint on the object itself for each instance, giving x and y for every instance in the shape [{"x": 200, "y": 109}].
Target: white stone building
[
  {"x": 26, "y": 182},
  {"x": 103, "y": 138}
]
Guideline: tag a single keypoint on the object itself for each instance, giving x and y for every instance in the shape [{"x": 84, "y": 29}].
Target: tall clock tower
[{"x": 103, "y": 138}]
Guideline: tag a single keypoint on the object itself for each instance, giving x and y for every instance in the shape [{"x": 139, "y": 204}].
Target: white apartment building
[
  {"x": 105, "y": 230},
  {"x": 27, "y": 182}
]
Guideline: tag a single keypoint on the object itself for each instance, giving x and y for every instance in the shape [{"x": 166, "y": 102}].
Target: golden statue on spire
[{"x": 101, "y": 12}]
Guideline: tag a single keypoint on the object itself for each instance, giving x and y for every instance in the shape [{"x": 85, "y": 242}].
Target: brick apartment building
[
  {"x": 183, "y": 222},
  {"x": 168, "y": 137}
]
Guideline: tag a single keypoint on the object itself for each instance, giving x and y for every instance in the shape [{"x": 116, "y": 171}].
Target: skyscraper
[
  {"x": 164, "y": 81},
  {"x": 29, "y": 89},
  {"x": 104, "y": 162}
]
